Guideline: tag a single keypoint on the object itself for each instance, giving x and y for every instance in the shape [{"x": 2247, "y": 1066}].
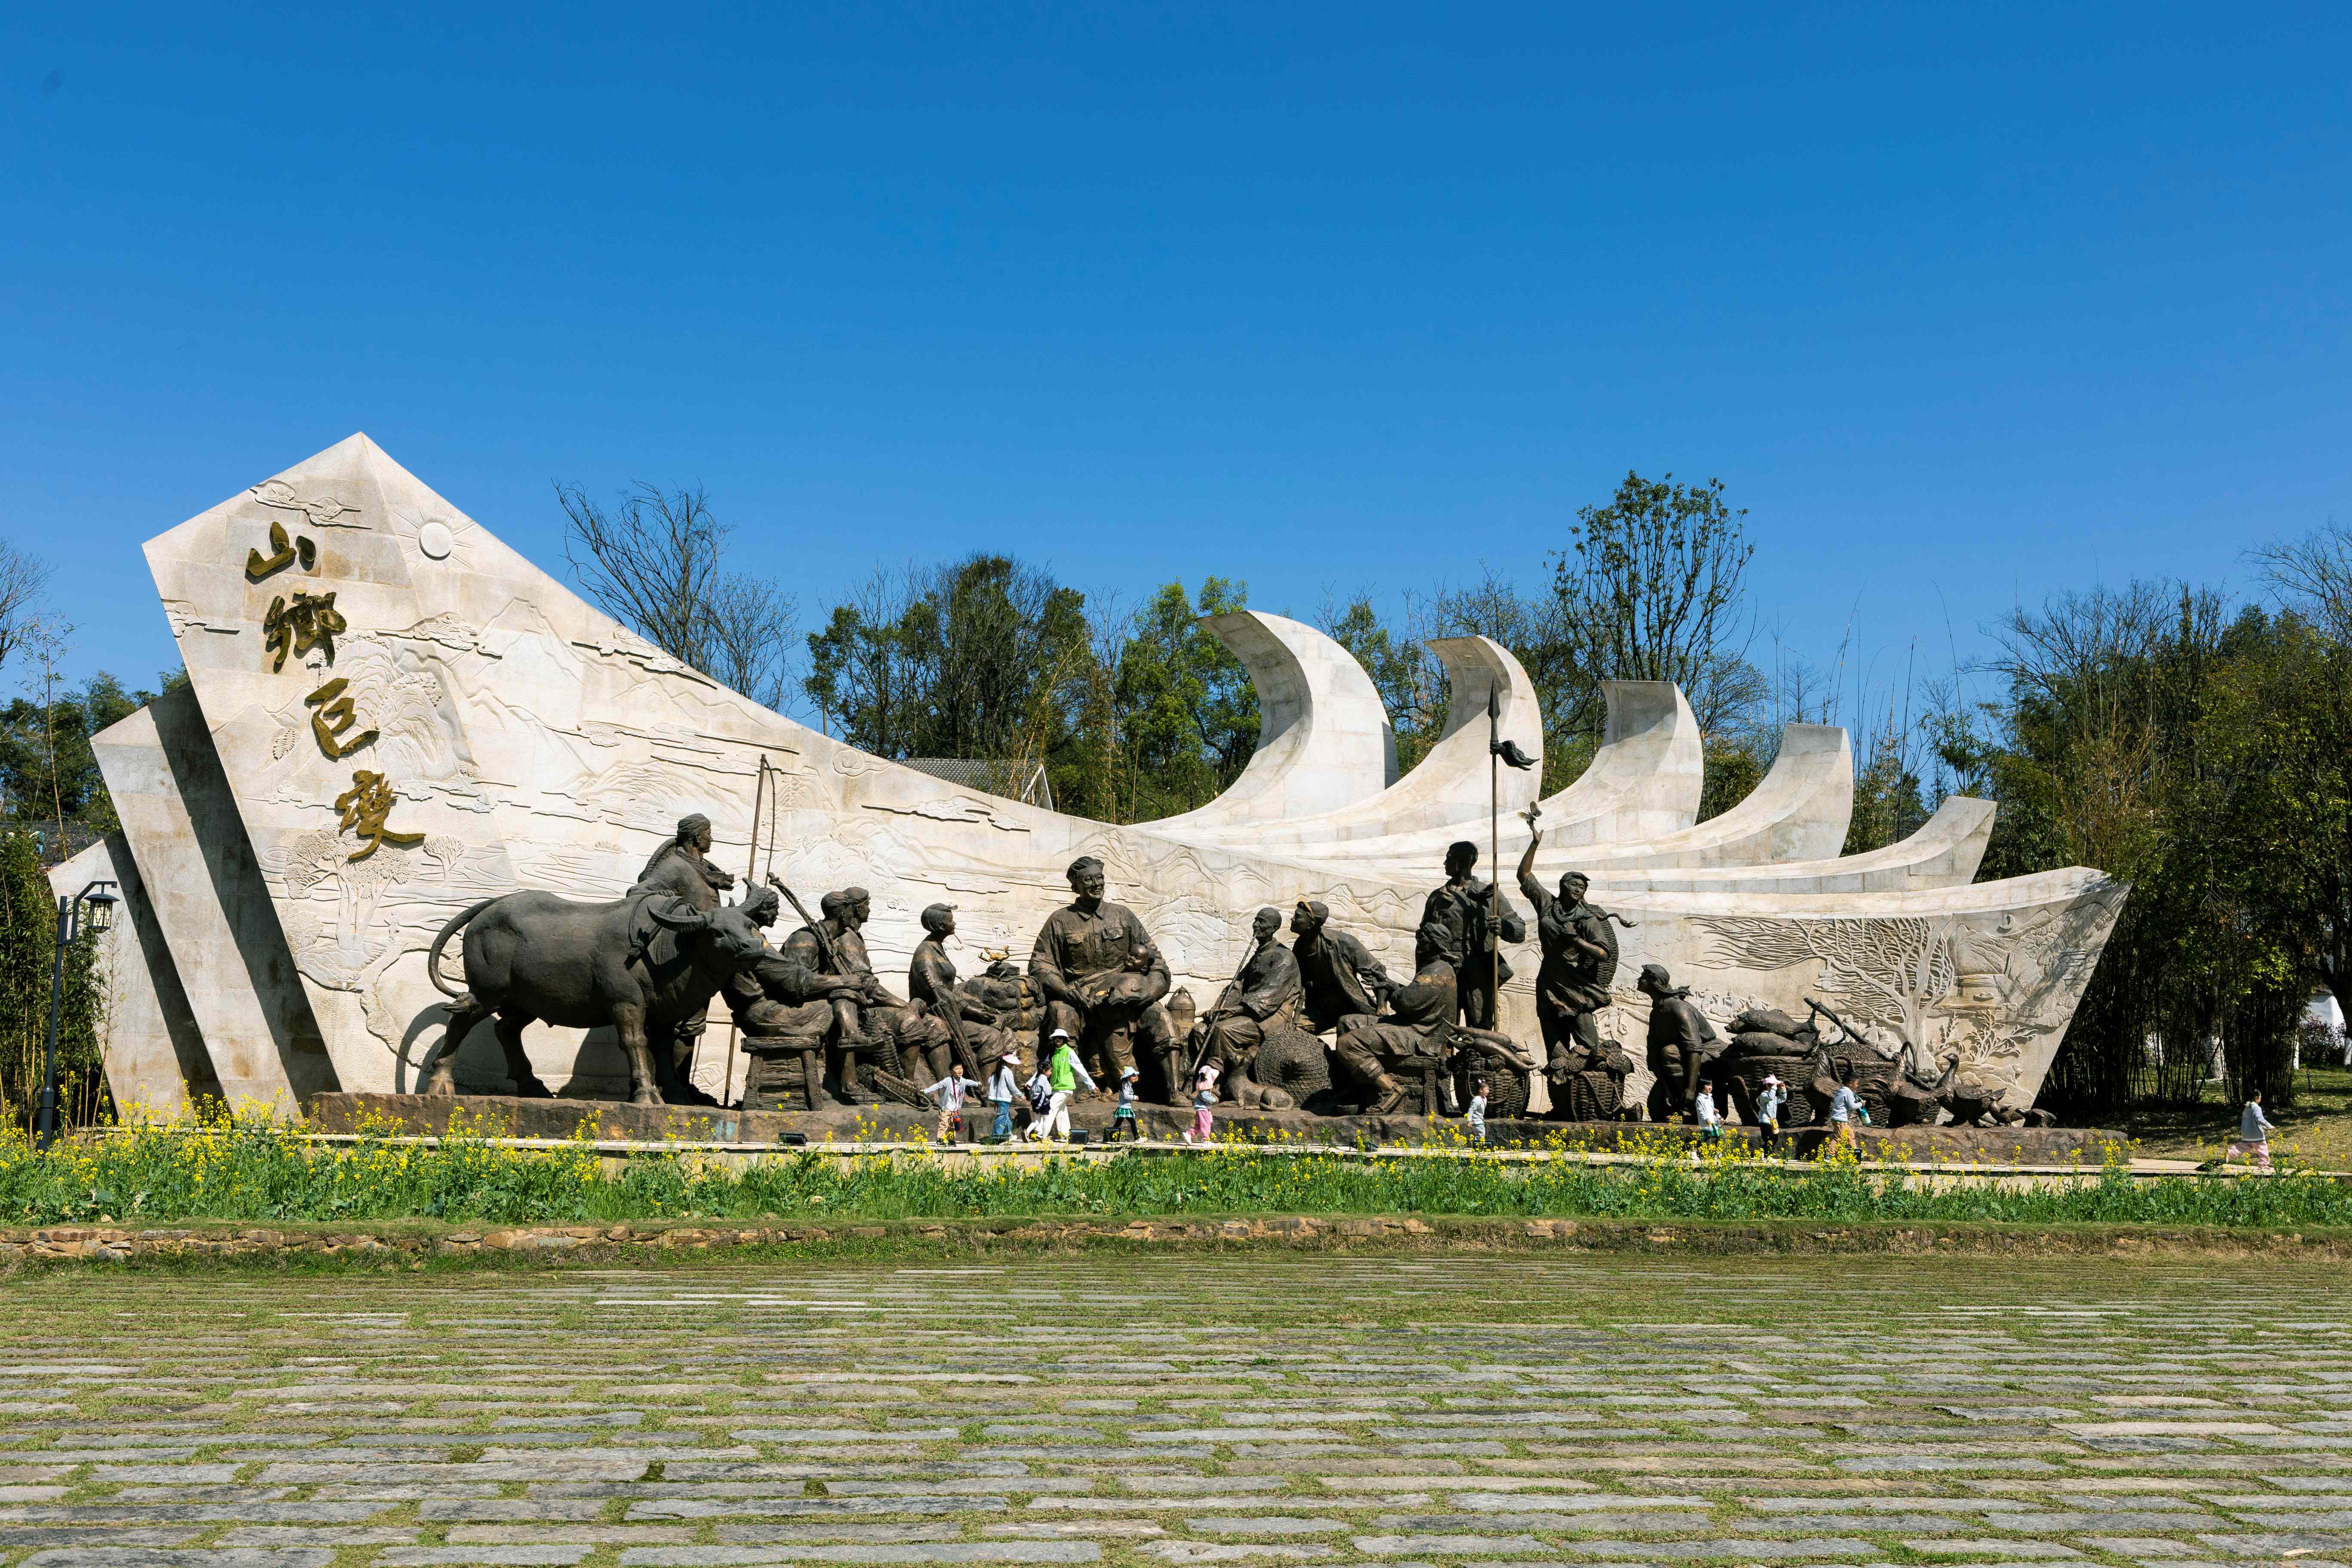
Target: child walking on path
[
  {"x": 949, "y": 1091},
  {"x": 1845, "y": 1109},
  {"x": 2253, "y": 1134},
  {"x": 1205, "y": 1099},
  {"x": 1002, "y": 1088},
  {"x": 1711, "y": 1116},
  {"x": 1041, "y": 1100},
  {"x": 1767, "y": 1109},
  {"x": 1064, "y": 1073},
  {"x": 1477, "y": 1113},
  {"x": 1122, "y": 1117}
]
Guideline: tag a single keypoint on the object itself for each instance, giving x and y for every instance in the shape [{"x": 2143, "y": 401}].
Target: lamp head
[{"x": 102, "y": 901}]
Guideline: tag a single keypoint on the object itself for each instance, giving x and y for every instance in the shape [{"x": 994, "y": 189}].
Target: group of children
[
  {"x": 1057, "y": 1080},
  {"x": 1846, "y": 1110},
  {"x": 1047, "y": 1094}
]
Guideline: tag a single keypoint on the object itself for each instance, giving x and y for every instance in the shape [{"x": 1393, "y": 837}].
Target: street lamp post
[{"x": 101, "y": 902}]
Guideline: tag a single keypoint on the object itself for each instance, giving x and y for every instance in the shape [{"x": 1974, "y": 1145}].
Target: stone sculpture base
[{"x": 612, "y": 1120}]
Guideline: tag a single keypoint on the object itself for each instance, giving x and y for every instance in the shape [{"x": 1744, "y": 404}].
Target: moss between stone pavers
[{"x": 427, "y": 1244}]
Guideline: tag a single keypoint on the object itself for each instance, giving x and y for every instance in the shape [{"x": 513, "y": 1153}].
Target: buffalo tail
[{"x": 433, "y": 958}]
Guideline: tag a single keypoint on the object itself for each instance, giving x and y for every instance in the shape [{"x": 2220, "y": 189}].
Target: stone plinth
[{"x": 617, "y": 1121}]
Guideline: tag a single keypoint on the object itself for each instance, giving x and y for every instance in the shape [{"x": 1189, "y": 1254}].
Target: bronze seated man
[
  {"x": 1338, "y": 977},
  {"x": 785, "y": 1011},
  {"x": 1418, "y": 1033},
  {"x": 1102, "y": 979},
  {"x": 957, "y": 1024},
  {"x": 868, "y": 1026},
  {"x": 1262, "y": 999}
]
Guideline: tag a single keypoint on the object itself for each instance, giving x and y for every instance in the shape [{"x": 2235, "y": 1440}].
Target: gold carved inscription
[
  {"x": 310, "y": 621},
  {"x": 365, "y": 806},
  {"x": 282, "y": 554},
  {"x": 333, "y": 717}
]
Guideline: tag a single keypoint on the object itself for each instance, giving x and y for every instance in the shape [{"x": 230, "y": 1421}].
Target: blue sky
[{"x": 1965, "y": 303}]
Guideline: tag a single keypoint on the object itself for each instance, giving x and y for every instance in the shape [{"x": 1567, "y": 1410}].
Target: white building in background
[{"x": 2324, "y": 1012}]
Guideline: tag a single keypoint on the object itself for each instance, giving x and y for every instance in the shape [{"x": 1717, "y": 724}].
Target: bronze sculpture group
[{"x": 819, "y": 1027}]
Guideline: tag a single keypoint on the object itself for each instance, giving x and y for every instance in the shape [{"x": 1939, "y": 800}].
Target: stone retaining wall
[{"x": 412, "y": 1246}]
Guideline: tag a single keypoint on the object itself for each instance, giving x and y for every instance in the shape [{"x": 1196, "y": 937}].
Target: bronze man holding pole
[
  {"x": 1463, "y": 923},
  {"x": 1263, "y": 992}
]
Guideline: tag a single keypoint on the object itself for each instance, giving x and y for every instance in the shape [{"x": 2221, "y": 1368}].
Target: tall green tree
[
  {"x": 1735, "y": 764},
  {"x": 2104, "y": 753},
  {"x": 28, "y": 945},
  {"x": 1187, "y": 715},
  {"x": 48, "y": 770},
  {"x": 1889, "y": 802},
  {"x": 1407, "y": 679},
  {"x": 2271, "y": 815},
  {"x": 986, "y": 658},
  {"x": 1653, "y": 587}
]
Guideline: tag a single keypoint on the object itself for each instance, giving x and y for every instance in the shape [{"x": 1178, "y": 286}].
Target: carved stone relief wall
[{"x": 409, "y": 718}]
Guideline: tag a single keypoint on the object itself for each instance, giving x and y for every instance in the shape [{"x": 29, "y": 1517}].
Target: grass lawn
[
  {"x": 2315, "y": 1130},
  {"x": 258, "y": 1172}
]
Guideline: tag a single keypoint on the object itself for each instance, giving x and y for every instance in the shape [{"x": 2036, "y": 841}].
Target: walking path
[{"x": 1184, "y": 1409}]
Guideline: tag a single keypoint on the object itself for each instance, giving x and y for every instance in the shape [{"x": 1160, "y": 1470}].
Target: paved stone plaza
[{"x": 1184, "y": 1407}]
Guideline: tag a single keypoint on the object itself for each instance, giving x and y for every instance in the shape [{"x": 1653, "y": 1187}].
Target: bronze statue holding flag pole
[
  {"x": 1498, "y": 752},
  {"x": 1465, "y": 923}
]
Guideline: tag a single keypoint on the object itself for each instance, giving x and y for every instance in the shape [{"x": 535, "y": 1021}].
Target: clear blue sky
[{"x": 1965, "y": 302}]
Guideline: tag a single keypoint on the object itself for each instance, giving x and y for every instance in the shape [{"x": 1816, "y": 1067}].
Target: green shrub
[{"x": 28, "y": 945}]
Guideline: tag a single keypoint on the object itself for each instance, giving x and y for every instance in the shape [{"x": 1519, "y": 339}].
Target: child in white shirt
[
  {"x": 1710, "y": 1119},
  {"x": 1767, "y": 1108}
]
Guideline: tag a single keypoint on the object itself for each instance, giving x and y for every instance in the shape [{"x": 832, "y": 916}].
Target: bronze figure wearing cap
[
  {"x": 1101, "y": 975},
  {"x": 967, "y": 1021},
  {"x": 1338, "y": 975}
]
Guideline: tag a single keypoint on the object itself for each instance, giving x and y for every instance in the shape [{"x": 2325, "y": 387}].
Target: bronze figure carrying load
[{"x": 1461, "y": 922}]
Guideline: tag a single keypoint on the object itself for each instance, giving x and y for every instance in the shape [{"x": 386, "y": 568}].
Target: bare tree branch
[
  {"x": 2313, "y": 575},
  {"x": 652, "y": 563},
  {"x": 751, "y": 623},
  {"x": 23, "y": 580}
]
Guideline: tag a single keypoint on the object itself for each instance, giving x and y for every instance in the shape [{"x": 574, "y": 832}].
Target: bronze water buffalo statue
[{"x": 642, "y": 964}]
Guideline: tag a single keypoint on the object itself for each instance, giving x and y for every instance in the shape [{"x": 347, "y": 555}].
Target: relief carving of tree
[{"x": 1872, "y": 972}]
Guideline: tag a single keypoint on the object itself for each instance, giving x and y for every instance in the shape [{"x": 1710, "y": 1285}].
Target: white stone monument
[{"x": 392, "y": 715}]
